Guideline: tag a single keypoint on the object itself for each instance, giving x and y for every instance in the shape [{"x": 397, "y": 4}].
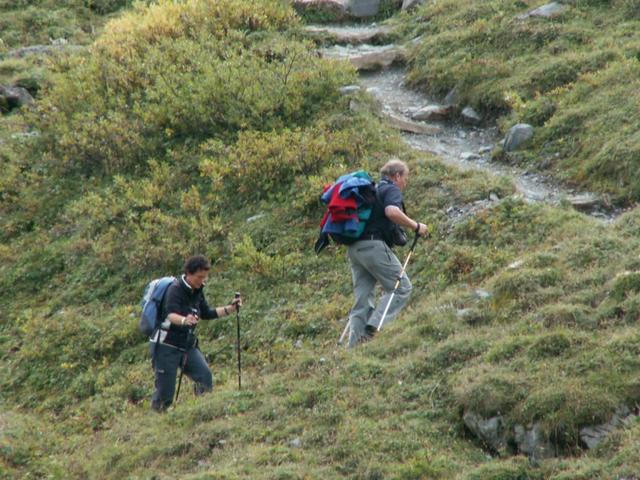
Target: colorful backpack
[{"x": 349, "y": 200}]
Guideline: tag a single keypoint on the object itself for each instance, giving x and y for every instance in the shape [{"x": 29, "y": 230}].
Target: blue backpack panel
[{"x": 151, "y": 302}]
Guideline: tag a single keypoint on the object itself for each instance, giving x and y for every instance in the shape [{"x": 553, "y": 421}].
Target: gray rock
[
  {"x": 586, "y": 201},
  {"x": 432, "y": 113},
  {"x": 405, "y": 125},
  {"x": 14, "y": 97},
  {"x": 256, "y": 217},
  {"x": 518, "y": 136},
  {"x": 453, "y": 98},
  {"x": 364, "y": 8},
  {"x": 533, "y": 442},
  {"x": 353, "y": 36},
  {"x": 494, "y": 197},
  {"x": 483, "y": 150},
  {"x": 295, "y": 443},
  {"x": 469, "y": 156},
  {"x": 349, "y": 89},
  {"x": 549, "y": 10},
  {"x": 338, "y": 9},
  {"x": 378, "y": 59},
  {"x": 469, "y": 115},
  {"x": 491, "y": 431},
  {"x": 409, "y": 4},
  {"x": 593, "y": 436}
]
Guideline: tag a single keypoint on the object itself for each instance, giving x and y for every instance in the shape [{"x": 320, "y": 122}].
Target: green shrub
[{"x": 550, "y": 345}]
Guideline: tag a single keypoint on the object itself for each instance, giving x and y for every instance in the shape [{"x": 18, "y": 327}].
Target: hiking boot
[{"x": 370, "y": 331}]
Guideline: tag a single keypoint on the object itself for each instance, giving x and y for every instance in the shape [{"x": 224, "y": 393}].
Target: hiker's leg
[
  {"x": 198, "y": 371},
  {"x": 363, "y": 290},
  {"x": 166, "y": 364},
  {"x": 385, "y": 267}
]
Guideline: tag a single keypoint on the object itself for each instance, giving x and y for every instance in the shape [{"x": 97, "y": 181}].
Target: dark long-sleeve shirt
[{"x": 182, "y": 299}]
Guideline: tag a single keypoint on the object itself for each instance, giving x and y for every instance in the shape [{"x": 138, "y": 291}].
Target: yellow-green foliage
[{"x": 194, "y": 69}]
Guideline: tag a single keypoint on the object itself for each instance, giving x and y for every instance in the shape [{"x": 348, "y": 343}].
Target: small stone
[
  {"x": 483, "y": 150},
  {"x": 515, "y": 265},
  {"x": 256, "y": 217},
  {"x": 482, "y": 294},
  {"x": 469, "y": 115},
  {"x": 295, "y": 443},
  {"x": 469, "y": 156},
  {"x": 494, "y": 197},
  {"x": 349, "y": 89}
]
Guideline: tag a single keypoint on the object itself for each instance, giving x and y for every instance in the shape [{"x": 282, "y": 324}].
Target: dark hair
[{"x": 196, "y": 263}]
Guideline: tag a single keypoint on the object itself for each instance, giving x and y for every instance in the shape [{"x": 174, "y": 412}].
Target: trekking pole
[
  {"x": 183, "y": 363},
  {"x": 413, "y": 246},
  {"x": 344, "y": 332},
  {"x": 237, "y": 296}
]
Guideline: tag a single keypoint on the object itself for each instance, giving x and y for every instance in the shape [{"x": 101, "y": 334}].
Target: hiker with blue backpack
[
  {"x": 369, "y": 221},
  {"x": 174, "y": 344}
]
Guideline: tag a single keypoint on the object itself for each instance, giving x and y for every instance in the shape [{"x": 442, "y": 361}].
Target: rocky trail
[{"x": 428, "y": 125}]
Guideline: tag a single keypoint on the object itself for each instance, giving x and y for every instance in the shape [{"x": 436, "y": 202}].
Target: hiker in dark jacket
[
  {"x": 175, "y": 345},
  {"x": 372, "y": 260}
]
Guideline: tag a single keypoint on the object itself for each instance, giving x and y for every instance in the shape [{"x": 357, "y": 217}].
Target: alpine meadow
[{"x": 136, "y": 134}]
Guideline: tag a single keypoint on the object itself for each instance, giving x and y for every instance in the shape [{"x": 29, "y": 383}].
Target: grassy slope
[
  {"x": 555, "y": 343},
  {"x": 574, "y": 77}
]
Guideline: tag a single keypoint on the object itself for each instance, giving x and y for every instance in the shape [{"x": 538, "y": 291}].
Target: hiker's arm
[
  {"x": 182, "y": 320},
  {"x": 397, "y": 216},
  {"x": 173, "y": 306},
  {"x": 209, "y": 313}
]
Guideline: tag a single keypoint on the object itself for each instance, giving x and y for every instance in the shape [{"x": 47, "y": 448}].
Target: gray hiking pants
[
  {"x": 166, "y": 362},
  {"x": 372, "y": 261}
]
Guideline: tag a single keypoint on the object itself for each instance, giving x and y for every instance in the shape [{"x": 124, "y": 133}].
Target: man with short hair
[
  {"x": 174, "y": 344},
  {"x": 372, "y": 260}
]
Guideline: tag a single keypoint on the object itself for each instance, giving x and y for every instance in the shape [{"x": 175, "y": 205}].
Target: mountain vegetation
[{"x": 210, "y": 127}]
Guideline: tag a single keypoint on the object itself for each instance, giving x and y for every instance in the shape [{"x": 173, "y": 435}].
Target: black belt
[{"x": 371, "y": 236}]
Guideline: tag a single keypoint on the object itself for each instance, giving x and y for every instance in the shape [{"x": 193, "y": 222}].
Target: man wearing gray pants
[{"x": 372, "y": 260}]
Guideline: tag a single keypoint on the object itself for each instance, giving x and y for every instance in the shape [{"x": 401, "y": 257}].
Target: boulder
[
  {"x": 549, "y": 10},
  {"x": 431, "y": 113},
  {"x": 409, "y": 4},
  {"x": 336, "y": 9},
  {"x": 364, "y": 8},
  {"x": 490, "y": 430},
  {"x": 533, "y": 442},
  {"x": 377, "y": 59},
  {"x": 469, "y": 115},
  {"x": 14, "y": 97},
  {"x": 592, "y": 436},
  {"x": 518, "y": 136}
]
